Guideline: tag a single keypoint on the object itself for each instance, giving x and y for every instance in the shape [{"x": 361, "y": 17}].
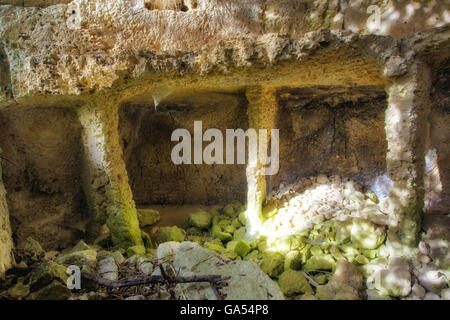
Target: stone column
[
  {"x": 105, "y": 177},
  {"x": 6, "y": 244},
  {"x": 262, "y": 112},
  {"x": 407, "y": 134}
]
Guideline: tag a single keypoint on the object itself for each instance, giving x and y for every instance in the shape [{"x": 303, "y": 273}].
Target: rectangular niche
[
  {"x": 146, "y": 140},
  {"x": 41, "y": 163},
  {"x": 333, "y": 131}
]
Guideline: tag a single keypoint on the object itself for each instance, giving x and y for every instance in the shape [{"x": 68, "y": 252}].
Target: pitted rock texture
[{"x": 42, "y": 174}]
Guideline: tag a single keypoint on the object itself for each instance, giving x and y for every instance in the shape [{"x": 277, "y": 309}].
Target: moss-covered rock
[
  {"x": 293, "y": 282},
  {"x": 336, "y": 253},
  {"x": 242, "y": 248},
  {"x": 269, "y": 210},
  {"x": 229, "y": 210},
  {"x": 293, "y": 260},
  {"x": 219, "y": 248},
  {"x": 252, "y": 256},
  {"x": 229, "y": 229},
  {"x": 200, "y": 219},
  {"x": 367, "y": 235},
  {"x": 218, "y": 233},
  {"x": 361, "y": 259},
  {"x": 80, "y": 246},
  {"x": 342, "y": 231},
  {"x": 242, "y": 218},
  {"x": 316, "y": 251},
  {"x": 124, "y": 226},
  {"x": 272, "y": 263},
  {"x": 18, "y": 291},
  {"x": 192, "y": 231},
  {"x": 372, "y": 196},
  {"x": 336, "y": 291},
  {"x": 79, "y": 258},
  {"x": 104, "y": 237},
  {"x": 196, "y": 239},
  {"x": 239, "y": 233},
  {"x": 231, "y": 255},
  {"x": 148, "y": 217},
  {"x": 45, "y": 273},
  {"x": 54, "y": 291},
  {"x": 321, "y": 278},
  {"x": 29, "y": 251},
  {"x": 166, "y": 234},
  {"x": 320, "y": 262}
]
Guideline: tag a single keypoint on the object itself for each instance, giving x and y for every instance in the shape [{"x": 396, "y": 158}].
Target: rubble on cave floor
[{"x": 335, "y": 249}]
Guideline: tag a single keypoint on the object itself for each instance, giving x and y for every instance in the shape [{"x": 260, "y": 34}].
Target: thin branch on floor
[{"x": 212, "y": 279}]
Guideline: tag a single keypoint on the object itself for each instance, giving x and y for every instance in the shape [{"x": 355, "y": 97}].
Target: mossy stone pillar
[
  {"x": 407, "y": 134},
  {"x": 105, "y": 177},
  {"x": 262, "y": 113}
]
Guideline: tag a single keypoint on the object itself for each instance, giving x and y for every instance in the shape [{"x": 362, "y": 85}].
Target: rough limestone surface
[
  {"x": 90, "y": 58},
  {"x": 247, "y": 281}
]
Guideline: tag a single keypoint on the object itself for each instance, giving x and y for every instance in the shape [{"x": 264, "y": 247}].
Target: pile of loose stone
[{"x": 321, "y": 238}]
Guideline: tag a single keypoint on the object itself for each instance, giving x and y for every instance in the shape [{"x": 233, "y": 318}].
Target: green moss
[
  {"x": 79, "y": 258},
  {"x": 293, "y": 260},
  {"x": 196, "y": 239},
  {"x": 239, "y": 233},
  {"x": 229, "y": 210},
  {"x": 200, "y": 219},
  {"x": 192, "y": 231},
  {"x": 29, "y": 251},
  {"x": 146, "y": 239},
  {"x": 293, "y": 282},
  {"x": 242, "y": 248},
  {"x": 272, "y": 263},
  {"x": 80, "y": 246},
  {"x": 135, "y": 250},
  {"x": 252, "y": 256},
  {"x": 214, "y": 247},
  {"x": 218, "y": 233},
  {"x": 269, "y": 210},
  {"x": 366, "y": 235},
  {"x": 166, "y": 234},
  {"x": 361, "y": 259},
  {"x": 148, "y": 217},
  {"x": 19, "y": 291},
  {"x": 45, "y": 273},
  {"x": 320, "y": 262},
  {"x": 372, "y": 196},
  {"x": 242, "y": 218},
  {"x": 124, "y": 226}
]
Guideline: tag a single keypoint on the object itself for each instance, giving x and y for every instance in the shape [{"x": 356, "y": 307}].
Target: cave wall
[
  {"x": 146, "y": 139},
  {"x": 333, "y": 131},
  {"x": 437, "y": 179},
  {"x": 6, "y": 243},
  {"x": 41, "y": 172}
]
